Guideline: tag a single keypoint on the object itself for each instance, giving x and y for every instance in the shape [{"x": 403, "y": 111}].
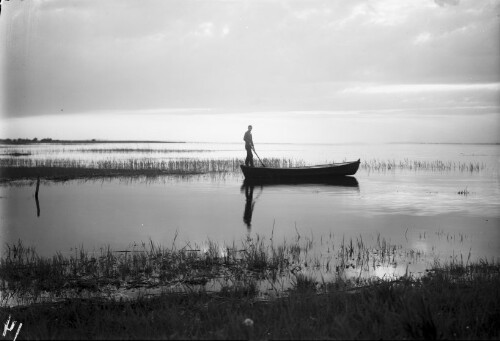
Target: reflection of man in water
[
  {"x": 247, "y": 215},
  {"x": 248, "y": 147}
]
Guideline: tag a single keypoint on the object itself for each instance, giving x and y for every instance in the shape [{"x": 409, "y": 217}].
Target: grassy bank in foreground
[
  {"x": 459, "y": 300},
  {"x": 450, "y": 302}
]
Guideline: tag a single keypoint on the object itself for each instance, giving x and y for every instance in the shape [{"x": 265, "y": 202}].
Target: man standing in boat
[{"x": 249, "y": 146}]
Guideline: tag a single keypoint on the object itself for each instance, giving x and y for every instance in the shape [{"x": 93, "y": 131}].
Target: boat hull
[
  {"x": 312, "y": 172},
  {"x": 336, "y": 181}
]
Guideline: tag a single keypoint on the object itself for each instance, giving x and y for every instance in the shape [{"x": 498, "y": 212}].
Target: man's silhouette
[{"x": 249, "y": 146}]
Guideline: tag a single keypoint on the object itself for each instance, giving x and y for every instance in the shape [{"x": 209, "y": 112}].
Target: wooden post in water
[
  {"x": 37, "y": 187},
  {"x": 36, "y": 197}
]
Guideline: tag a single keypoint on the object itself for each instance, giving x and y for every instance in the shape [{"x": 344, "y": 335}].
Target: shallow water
[{"x": 418, "y": 210}]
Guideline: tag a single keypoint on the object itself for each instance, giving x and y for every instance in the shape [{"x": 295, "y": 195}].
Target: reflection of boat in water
[
  {"x": 343, "y": 181},
  {"x": 348, "y": 182},
  {"x": 314, "y": 172}
]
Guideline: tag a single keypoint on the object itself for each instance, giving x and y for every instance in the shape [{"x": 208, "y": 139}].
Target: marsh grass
[
  {"x": 19, "y": 167},
  {"x": 65, "y": 169},
  {"x": 28, "y": 276},
  {"x": 464, "y": 192},
  {"x": 457, "y": 299},
  {"x": 140, "y": 150},
  {"x": 256, "y": 266},
  {"x": 422, "y": 165},
  {"x": 458, "y": 302},
  {"x": 145, "y": 163},
  {"x": 229, "y": 165},
  {"x": 304, "y": 283}
]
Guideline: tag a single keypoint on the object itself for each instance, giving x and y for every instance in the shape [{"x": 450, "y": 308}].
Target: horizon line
[{"x": 94, "y": 140}]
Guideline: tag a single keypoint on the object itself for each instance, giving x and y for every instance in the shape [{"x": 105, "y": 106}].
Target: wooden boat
[
  {"x": 311, "y": 172},
  {"x": 335, "y": 181}
]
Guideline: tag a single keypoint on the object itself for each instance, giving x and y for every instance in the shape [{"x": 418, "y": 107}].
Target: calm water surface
[{"x": 419, "y": 210}]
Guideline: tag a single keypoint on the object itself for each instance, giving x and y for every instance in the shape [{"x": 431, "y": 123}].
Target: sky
[{"x": 299, "y": 71}]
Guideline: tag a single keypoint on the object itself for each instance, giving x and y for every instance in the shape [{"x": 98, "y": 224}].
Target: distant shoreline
[
  {"x": 19, "y": 141},
  {"x": 36, "y": 141}
]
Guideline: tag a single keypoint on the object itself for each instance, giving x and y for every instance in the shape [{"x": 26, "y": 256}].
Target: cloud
[
  {"x": 94, "y": 55},
  {"x": 205, "y": 29},
  {"x": 447, "y": 2},
  {"x": 422, "y": 38},
  {"x": 418, "y": 88}
]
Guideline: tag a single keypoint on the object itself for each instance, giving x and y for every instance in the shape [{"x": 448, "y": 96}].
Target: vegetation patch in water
[
  {"x": 422, "y": 165},
  {"x": 450, "y": 302},
  {"x": 64, "y": 169},
  {"x": 255, "y": 267}
]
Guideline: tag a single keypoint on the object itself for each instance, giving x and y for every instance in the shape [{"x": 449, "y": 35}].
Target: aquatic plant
[
  {"x": 446, "y": 303},
  {"x": 255, "y": 263},
  {"x": 177, "y": 166},
  {"x": 422, "y": 165},
  {"x": 173, "y": 165}
]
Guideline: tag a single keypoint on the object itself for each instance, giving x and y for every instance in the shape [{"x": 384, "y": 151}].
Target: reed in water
[
  {"x": 452, "y": 300},
  {"x": 13, "y": 168}
]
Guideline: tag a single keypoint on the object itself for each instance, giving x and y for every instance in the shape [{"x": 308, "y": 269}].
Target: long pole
[{"x": 263, "y": 165}]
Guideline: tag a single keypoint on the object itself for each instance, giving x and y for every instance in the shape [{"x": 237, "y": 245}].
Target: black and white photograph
[{"x": 249, "y": 169}]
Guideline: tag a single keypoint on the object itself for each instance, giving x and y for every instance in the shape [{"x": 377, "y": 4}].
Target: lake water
[{"x": 418, "y": 209}]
